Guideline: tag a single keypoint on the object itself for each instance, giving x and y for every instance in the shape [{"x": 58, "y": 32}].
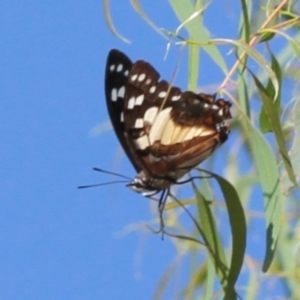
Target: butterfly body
[{"x": 165, "y": 132}]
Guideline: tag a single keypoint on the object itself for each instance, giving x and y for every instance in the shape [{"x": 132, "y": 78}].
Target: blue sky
[{"x": 58, "y": 242}]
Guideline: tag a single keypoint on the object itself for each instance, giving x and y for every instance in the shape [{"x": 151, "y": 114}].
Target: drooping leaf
[
  {"x": 264, "y": 121},
  {"x": 266, "y": 37},
  {"x": 110, "y": 23},
  {"x": 269, "y": 178},
  {"x": 276, "y": 126},
  {"x": 295, "y": 153},
  {"x": 237, "y": 222},
  {"x": 228, "y": 276},
  {"x": 211, "y": 236}
]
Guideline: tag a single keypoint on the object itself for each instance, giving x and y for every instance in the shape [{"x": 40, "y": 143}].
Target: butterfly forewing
[{"x": 118, "y": 67}]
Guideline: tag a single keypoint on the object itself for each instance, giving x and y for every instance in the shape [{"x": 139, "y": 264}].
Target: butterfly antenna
[
  {"x": 111, "y": 173},
  {"x": 100, "y": 184}
]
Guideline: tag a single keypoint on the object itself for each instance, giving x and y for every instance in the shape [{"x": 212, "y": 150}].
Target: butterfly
[{"x": 165, "y": 132}]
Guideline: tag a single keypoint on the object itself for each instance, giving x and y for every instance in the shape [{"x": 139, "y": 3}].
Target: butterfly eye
[{"x": 138, "y": 185}]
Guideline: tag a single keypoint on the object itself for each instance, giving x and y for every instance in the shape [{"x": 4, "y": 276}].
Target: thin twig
[{"x": 251, "y": 43}]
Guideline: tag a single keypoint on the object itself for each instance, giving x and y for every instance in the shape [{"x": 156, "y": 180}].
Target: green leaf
[
  {"x": 264, "y": 121},
  {"x": 237, "y": 222},
  {"x": 276, "y": 126},
  {"x": 184, "y": 10},
  {"x": 197, "y": 280},
  {"x": 245, "y": 22},
  {"x": 243, "y": 94},
  {"x": 109, "y": 22},
  {"x": 228, "y": 277},
  {"x": 266, "y": 166},
  {"x": 193, "y": 67},
  {"x": 136, "y": 5},
  {"x": 164, "y": 280},
  {"x": 211, "y": 274},
  {"x": 266, "y": 36},
  {"x": 211, "y": 237},
  {"x": 295, "y": 153}
]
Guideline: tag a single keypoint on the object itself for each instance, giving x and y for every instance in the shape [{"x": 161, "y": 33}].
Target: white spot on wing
[
  {"x": 142, "y": 77},
  {"x": 152, "y": 89},
  {"x": 215, "y": 106},
  {"x": 162, "y": 94},
  {"x": 175, "y": 98},
  {"x": 122, "y": 117},
  {"x": 126, "y": 73},
  {"x": 119, "y": 68},
  {"x": 220, "y": 113},
  {"x": 130, "y": 104},
  {"x": 206, "y": 105},
  {"x": 154, "y": 158},
  {"x": 142, "y": 142},
  {"x": 121, "y": 92},
  {"x": 148, "y": 81},
  {"x": 114, "y": 94},
  {"x": 134, "y": 77},
  {"x": 150, "y": 114},
  {"x": 112, "y": 67},
  {"x": 139, "y": 123},
  {"x": 139, "y": 100}
]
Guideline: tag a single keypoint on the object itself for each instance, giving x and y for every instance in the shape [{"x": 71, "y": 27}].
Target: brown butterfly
[{"x": 165, "y": 132}]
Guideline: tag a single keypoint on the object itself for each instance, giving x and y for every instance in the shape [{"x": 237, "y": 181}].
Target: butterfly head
[
  {"x": 147, "y": 185},
  {"x": 140, "y": 183}
]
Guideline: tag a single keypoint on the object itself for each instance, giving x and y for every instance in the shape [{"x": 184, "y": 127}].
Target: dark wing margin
[{"x": 118, "y": 67}]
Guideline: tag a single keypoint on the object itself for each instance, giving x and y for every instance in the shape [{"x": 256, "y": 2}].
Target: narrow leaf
[
  {"x": 295, "y": 153},
  {"x": 264, "y": 121},
  {"x": 109, "y": 21},
  {"x": 237, "y": 222},
  {"x": 266, "y": 36},
  {"x": 211, "y": 237},
  {"x": 266, "y": 166},
  {"x": 184, "y": 10},
  {"x": 274, "y": 120}
]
